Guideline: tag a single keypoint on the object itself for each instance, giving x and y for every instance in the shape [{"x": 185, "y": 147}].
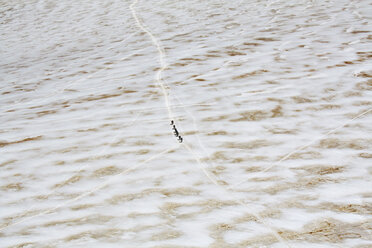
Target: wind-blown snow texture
[{"x": 272, "y": 98}]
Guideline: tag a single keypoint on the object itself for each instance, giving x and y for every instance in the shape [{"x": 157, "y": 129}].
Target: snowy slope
[{"x": 272, "y": 99}]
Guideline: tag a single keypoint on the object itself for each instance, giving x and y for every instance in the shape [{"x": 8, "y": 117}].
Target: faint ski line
[
  {"x": 202, "y": 165},
  {"x": 193, "y": 120},
  {"x": 86, "y": 193},
  {"x": 198, "y": 131},
  {"x": 305, "y": 146},
  {"x": 73, "y": 81},
  {"x": 173, "y": 106},
  {"x": 244, "y": 94}
]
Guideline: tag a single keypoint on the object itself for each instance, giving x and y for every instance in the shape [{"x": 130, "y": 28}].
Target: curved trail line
[
  {"x": 98, "y": 187},
  {"x": 163, "y": 64}
]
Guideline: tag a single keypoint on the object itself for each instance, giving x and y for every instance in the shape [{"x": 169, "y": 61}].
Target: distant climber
[{"x": 175, "y": 132}]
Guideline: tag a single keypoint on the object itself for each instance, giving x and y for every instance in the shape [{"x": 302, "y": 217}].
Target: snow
[{"x": 272, "y": 99}]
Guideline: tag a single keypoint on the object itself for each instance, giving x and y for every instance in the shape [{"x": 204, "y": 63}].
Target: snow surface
[{"x": 272, "y": 99}]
